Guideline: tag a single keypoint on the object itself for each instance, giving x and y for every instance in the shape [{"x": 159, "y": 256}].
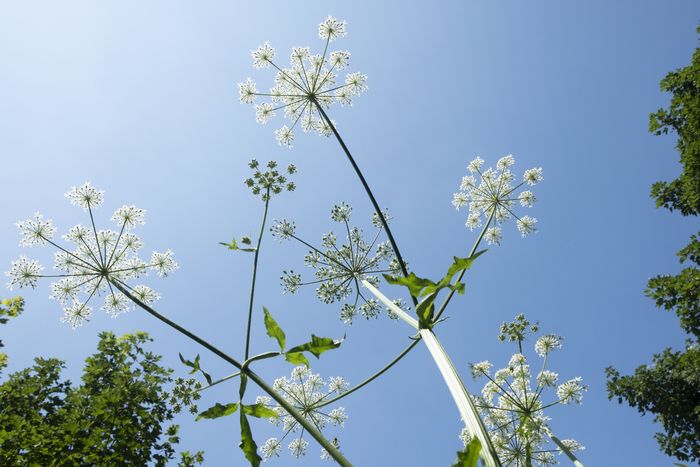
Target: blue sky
[{"x": 142, "y": 100}]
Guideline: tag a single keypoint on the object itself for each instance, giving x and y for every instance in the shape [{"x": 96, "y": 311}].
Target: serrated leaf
[
  {"x": 259, "y": 411},
  {"x": 317, "y": 345},
  {"x": 234, "y": 245},
  {"x": 195, "y": 367},
  {"x": 246, "y": 240},
  {"x": 274, "y": 330},
  {"x": 247, "y": 444},
  {"x": 460, "y": 264},
  {"x": 414, "y": 283},
  {"x": 297, "y": 358},
  {"x": 470, "y": 456},
  {"x": 231, "y": 246},
  {"x": 218, "y": 410}
]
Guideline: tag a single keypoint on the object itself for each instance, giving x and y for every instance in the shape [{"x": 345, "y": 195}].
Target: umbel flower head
[
  {"x": 512, "y": 404},
  {"x": 96, "y": 261},
  {"x": 340, "y": 267},
  {"x": 309, "y": 394},
  {"x": 494, "y": 196},
  {"x": 271, "y": 181},
  {"x": 306, "y": 86}
]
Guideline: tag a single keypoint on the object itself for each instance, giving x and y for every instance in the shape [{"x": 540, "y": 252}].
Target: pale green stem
[
  {"x": 459, "y": 392},
  {"x": 408, "y": 348},
  {"x": 566, "y": 451}
]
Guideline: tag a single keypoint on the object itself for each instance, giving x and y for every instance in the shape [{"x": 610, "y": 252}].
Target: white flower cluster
[
  {"x": 493, "y": 197},
  {"x": 513, "y": 409},
  {"x": 339, "y": 269},
  {"x": 307, "y": 86},
  {"x": 308, "y": 393},
  {"x": 97, "y": 260}
]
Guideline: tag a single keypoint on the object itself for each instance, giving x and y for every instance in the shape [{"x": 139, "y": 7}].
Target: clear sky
[{"x": 141, "y": 99}]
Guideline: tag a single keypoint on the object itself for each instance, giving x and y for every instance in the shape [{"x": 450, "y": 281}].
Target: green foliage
[
  {"x": 247, "y": 444},
  {"x": 683, "y": 117},
  {"x": 218, "y": 410},
  {"x": 274, "y": 330},
  {"x": 668, "y": 389},
  {"x": 297, "y": 358},
  {"x": 115, "y": 417},
  {"x": 470, "y": 456},
  {"x": 195, "y": 367},
  {"x": 234, "y": 245},
  {"x": 422, "y": 287},
  {"x": 259, "y": 411},
  {"x": 9, "y": 308},
  {"x": 682, "y": 291},
  {"x": 316, "y": 346}
]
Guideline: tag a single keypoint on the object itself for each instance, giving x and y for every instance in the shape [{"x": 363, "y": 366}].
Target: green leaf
[
  {"x": 414, "y": 283},
  {"x": 195, "y": 367},
  {"x": 247, "y": 444},
  {"x": 273, "y": 329},
  {"x": 246, "y": 240},
  {"x": 421, "y": 287},
  {"x": 425, "y": 311},
  {"x": 317, "y": 345},
  {"x": 470, "y": 456},
  {"x": 296, "y": 358},
  {"x": 218, "y": 410},
  {"x": 234, "y": 245},
  {"x": 231, "y": 246},
  {"x": 259, "y": 411},
  {"x": 461, "y": 264}
]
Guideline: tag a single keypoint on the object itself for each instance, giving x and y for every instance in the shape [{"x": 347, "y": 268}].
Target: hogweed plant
[
  {"x": 96, "y": 263},
  {"x": 513, "y": 400},
  {"x": 307, "y": 392},
  {"x": 340, "y": 269},
  {"x": 348, "y": 267},
  {"x": 307, "y": 87}
]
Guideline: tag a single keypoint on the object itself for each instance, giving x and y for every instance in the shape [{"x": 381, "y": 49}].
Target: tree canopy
[
  {"x": 669, "y": 388},
  {"x": 117, "y": 415}
]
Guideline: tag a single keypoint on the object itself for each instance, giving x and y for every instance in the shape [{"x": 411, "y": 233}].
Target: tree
[
  {"x": 115, "y": 417},
  {"x": 669, "y": 388}
]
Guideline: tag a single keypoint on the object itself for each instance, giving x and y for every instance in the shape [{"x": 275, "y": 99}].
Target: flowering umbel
[
  {"x": 97, "y": 260},
  {"x": 308, "y": 85},
  {"x": 271, "y": 181},
  {"x": 512, "y": 405},
  {"x": 339, "y": 268},
  {"x": 494, "y": 197},
  {"x": 309, "y": 394}
]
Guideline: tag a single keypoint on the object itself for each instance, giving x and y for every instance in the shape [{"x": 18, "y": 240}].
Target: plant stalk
[
  {"x": 459, "y": 392},
  {"x": 377, "y": 209},
  {"x": 308, "y": 426},
  {"x": 255, "y": 272}
]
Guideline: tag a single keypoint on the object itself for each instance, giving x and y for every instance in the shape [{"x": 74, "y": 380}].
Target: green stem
[
  {"x": 225, "y": 378},
  {"x": 374, "y": 376},
  {"x": 442, "y": 308},
  {"x": 378, "y": 210},
  {"x": 316, "y": 434},
  {"x": 255, "y": 272}
]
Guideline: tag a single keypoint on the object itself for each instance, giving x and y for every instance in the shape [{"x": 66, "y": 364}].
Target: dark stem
[
  {"x": 378, "y": 210},
  {"x": 374, "y": 376},
  {"x": 255, "y": 272}
]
